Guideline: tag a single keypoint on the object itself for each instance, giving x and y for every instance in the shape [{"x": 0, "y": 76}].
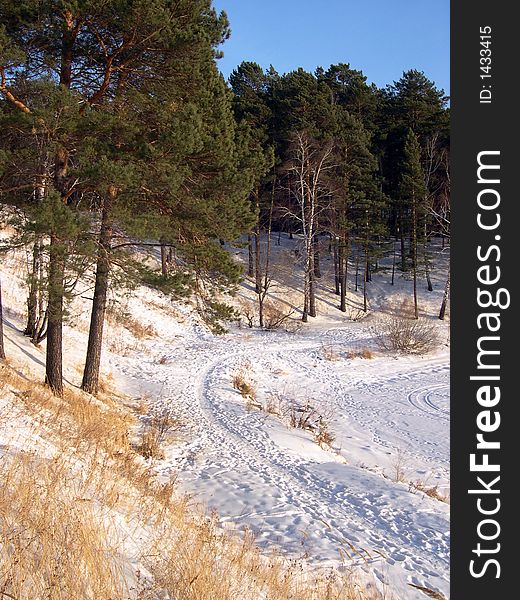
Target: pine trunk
[
  {"x": 54, "y": 352},
  {"x": 258, "y": 263},
  {"x": 413, "y": 239},
  {"x": 56, "y": 274},
  {"x": 250, "y": 255},
  {"x": 427, "y": 261},
  {"x": 403, "y": 252},
  {"x": 164, "y": 258},
  {"x": 34, "y": 307},
  {"x": 357, "y": 271},
  {"x": 393, "y": 263},
  {"x": 343, "y": 266},
  {"x": 40, "y": 332},
  {"x": 365, "y": 281},
  {"x": 444, "y": 305},
  {"x": 335, "y": 257},
  {"x": 32, "y": 298},
  {"x": 2, "y": 349},
  {"x": 90, "y": 381}
]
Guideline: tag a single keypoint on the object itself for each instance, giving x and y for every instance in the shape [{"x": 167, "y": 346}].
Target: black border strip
[{"x": 481, "y": 127}]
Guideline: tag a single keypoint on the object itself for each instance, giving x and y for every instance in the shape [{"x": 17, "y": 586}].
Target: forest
[
  {"x": 118, "y": 133},
  {"x": 224, "y": 334}
]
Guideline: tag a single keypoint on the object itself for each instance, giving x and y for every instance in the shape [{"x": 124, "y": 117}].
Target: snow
[{"x": 341, "y": 505}]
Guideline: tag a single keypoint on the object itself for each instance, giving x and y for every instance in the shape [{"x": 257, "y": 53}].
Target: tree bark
[
  {"x": 306, "y": 288},
  {"x": 164, "y": 258},
  {"x": 427, "y": 261},
  {"x": 90, "y": 381},
  {"x": 2, "y": 349},
  {"x": 335, "y": 257},
  {"x": 312, "y": 286},
  {"x": 357, "y": 271},
  {"x": 40, "y": 332},
  {"x": 258, "y": 262},
  {"x": 54, "y": 352},
  {"x": 316, "y": 259},
  {"x": 393, "y": 263},
  {"x": 250, "y": 256},
  {"x": 365, "y": 278},
  {"x": 403, "y": 249},
  {"x": 32, "y": 298},
  {"x": 343, "y": 273},
  {"x": 413, "y": 238},
  {"x": 442, "y": 312}
]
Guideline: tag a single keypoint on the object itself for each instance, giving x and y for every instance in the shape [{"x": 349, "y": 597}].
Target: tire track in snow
[
  {"x": 347, "y": 510},
  {"x": 235, "y": 450}
]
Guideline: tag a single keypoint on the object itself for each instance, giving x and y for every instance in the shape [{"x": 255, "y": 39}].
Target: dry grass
[
  {"x": 157, "y": 431},
  {"x": 330, "y": 353},
  {"x": 242, "y": 383},
  {"x": 430, "y": 593},
  {"x": 138, "y": 329},
  {"x": 323, "y": 436},
  {"x": 118, "y": 344},
  {"x": 400, "y": 466},
  {"x": 88, "y": 520},
  {"x": 53, "y": 542},
  {"x": 298, "y": 415},
  {"x": 142, "y": 407},
  {"x": 430, "y": 490},
  {"x": 334, "y": 353},
  {"x": 364, "y": 353}
]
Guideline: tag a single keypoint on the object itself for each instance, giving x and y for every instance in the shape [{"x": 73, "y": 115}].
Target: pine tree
[
  {"x": 157, "y": 56},
  {"x": 412, "y": 192}
]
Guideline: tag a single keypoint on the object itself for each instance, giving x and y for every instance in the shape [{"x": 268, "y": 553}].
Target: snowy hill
[{"x": 325, "y": 446}]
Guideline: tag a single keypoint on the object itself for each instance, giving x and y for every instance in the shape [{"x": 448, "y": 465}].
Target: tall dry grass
[{"x": 82, "y": 516}]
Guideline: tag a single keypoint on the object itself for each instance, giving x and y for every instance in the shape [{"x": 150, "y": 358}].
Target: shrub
[
  {"x": 277, "y": 315},
  {"x": 400, "y": 466},
  {"x": 247, "y": 310},
  {"x": 396, "y": 333}
]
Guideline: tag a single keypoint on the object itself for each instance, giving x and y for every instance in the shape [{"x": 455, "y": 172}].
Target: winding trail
[{"x": 316, "y": 504}]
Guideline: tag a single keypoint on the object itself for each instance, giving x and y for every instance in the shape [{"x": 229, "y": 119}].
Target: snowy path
[{"x": 327, "y": 507}]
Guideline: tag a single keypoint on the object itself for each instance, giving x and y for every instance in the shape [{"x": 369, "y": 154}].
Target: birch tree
[{"x": 308, "y": 168}]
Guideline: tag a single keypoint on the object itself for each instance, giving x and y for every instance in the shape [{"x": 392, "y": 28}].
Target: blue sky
[{"x": 382, "y": 38}]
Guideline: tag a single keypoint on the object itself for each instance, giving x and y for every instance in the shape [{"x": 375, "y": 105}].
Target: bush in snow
[{"x": 404, "y": 335}]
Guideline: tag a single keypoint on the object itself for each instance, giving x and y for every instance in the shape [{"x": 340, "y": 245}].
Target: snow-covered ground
[{"x": 355, "y": 503}]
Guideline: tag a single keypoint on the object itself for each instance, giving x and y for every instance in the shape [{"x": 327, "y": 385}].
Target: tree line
[
  {"x": 366, "y": 168},
  {"x": 118, "y": 133}
]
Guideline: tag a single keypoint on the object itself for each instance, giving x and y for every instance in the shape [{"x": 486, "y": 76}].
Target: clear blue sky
[{"x": 382, "y": 38}]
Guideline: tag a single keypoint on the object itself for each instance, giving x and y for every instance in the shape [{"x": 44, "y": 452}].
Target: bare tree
[
  {"x": 440, "y": 211},
  {"x": 432, "y": 164},
  {"x": 308, "y": 168}
]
